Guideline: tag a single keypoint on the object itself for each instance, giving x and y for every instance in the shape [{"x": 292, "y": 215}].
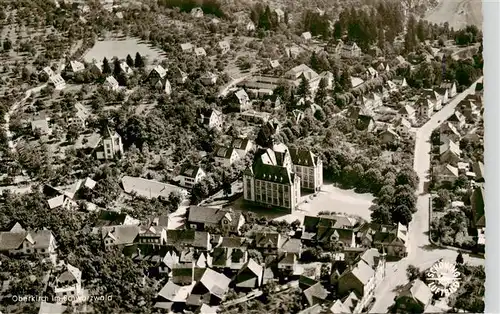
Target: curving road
[{"x": 421, "y": 253}]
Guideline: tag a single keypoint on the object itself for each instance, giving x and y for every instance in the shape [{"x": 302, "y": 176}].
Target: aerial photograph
[{"x": 241, "y": 156}]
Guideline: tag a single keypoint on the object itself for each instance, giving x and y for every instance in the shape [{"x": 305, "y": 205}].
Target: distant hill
[{"x": 458, "y": 13}]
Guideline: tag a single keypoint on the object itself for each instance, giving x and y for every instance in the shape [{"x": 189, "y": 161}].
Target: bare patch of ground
[{"x": 458, "y": 13}]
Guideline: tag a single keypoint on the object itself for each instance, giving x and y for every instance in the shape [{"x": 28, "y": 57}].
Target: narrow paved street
[{"x": 421, "y": 252}]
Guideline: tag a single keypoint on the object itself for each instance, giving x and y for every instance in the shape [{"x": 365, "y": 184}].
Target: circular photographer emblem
[{"x": 444, "y": 278}]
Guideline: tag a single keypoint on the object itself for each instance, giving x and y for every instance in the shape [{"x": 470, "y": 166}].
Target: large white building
[{"x": 274, "y": 180}]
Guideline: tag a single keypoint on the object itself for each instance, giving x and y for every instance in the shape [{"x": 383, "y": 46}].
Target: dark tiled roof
[
  {"x": 212, "y": 215},
  {"x": 302, "y": 157},
  {"x": 223, "y": 152},
  {"x": 265, "y": 238},
  {"x": 189, "y": 171},
  {"x": 240, "y": 143}
]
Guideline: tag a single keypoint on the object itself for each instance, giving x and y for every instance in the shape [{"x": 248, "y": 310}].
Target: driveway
[{"x": 421, "y": 253}]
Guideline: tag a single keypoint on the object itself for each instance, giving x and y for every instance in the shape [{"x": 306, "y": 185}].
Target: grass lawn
[{"x": 120, "y": 49}]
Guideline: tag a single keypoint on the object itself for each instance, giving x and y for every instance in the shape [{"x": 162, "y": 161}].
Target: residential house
[
  {"x": 270, "y": 181},
  {"x": 451, "y": 87},
  {"x": 356, "y": 81},
  {"x": 400, "y": 81},
  {"x": 110, "y": 146},
  {"x": 315, "y": 294},
  {"x": 292, "y": 52},
  {"x": 125, "y": 68},
  {"x": 434, "y": 97},
  {"x": 392, "y": 239},
  {"x": 359, "y": 280},
  {"x": 449, "y": 152},
  {"x": 416, "y": 296},
  {"x": 81, "y": 117},
  {"x": 402, "y": 127},
  {"x": 111, "y": 84},
  {"x": 339, "y": 307},
  {"x": 200, "y": 52},
  {"x": 187, "y": 47},
  {"x": 328, "y": 76},
  {"x": 446, "y": 174},
  {"x": 230, "y": 254},
  {"x": 372, "y": 102},
  {"x": 273, "y": 64},
  {"x": 240, "y": 97},
  {"x": 469, "y": 109},
  {"x": 224, "y": 46},
  {"x": 48, "y": 72},
  {"x": 407, "y": 112},
  {"x": 225, "y": 156},
  {"x": 350, "y": 50},
  {"x": 197, "y": 12},
  {"x": 18, "y": 241},
  {"x": 75, "y": 67},
  {"x": 457, "y": 119},
  {"x": 250, "y": 26},
  {"x": 68, "y": 283},
  {"x": 210, "y": 289},
  {"x": 253, "y": 116},
  {"x": 173, "y": 297},
  {"x": 443, "y": 94},
  {"x": 62, "y": 201},
  {"x": 448, "y": 132},
  {"x": 121, "y": 236},
  {"x": 288, "y": 263},
  {"x": 308, "y": 167},
  {"x": 425, "y": 108},
  {"x": 150, "y": 188},
  {"x": 113, "y": 218},
  {"x": 382, "y": 92},
  {"x": 157, "y": 74},
  {"x": 388, "y": 135},
  {"x": 96, "y": 68},
  {"x": 179, "y": 76},
  {"x": 250, "y": 276},
  {"x": 57, "y": 81},
  {"x": 306, "y": 36},
  {"x": 209, "y": 78},
  {"x": 182, "y": 274},
  {"x": 190, "y": 175},
  {"x": 280, "y": 15},
  {"x": 242, "y": 146},
  {"x": 200, "y": 217},
  {"x": 391, "y": 86},
  {"x": 187, "y": 242},
  {"x": 371, "y": 73},
  {"x": 297, "y": 72},
  {"x": 211, "y": 118},
  {"x": 268, "y": 242},
  {"x": 40, "y": 124}
]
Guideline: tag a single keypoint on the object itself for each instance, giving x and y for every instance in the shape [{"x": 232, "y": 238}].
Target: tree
[
  {"x": 139, "y": 61},
  {"x": 412, "y": 272},
  {"x": 321, "y": 92},
  {"x": 130, "y": 61},
  {"x": 106, "y": 68},
  {"x": 226, "y": 185},
  {"x": 443, "y": 199},
  {"x": 381, "y": 214},
  {"x": 402, "y": 214},
  {"x": 7, "y": 45},
  {"x": 265, "y": 136},
  {"x": 303, "y": 89},
  {"x": 460, "y": 258},
  {"x": 117, "y": 69}
]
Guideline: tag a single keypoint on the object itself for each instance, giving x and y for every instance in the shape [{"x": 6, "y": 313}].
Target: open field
[
  {"x": 458, "y": 13},
  {"x": 333, "y": 199},
  {"x": 120, "y": 49}
]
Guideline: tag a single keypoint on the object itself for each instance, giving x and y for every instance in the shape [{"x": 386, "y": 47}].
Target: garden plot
[{"x": 122, "y": 48}]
